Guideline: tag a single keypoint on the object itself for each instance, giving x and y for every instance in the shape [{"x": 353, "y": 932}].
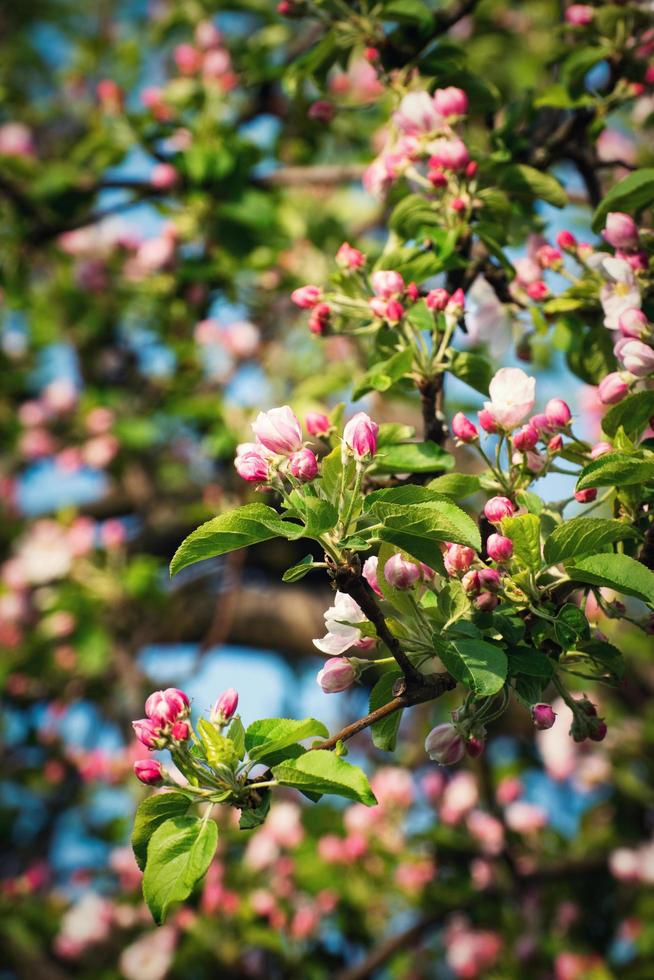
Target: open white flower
[
  {"x": 620, "y": 292},
  {"x": 513, "y": 395},
  {"x": 340, "y": 636}
]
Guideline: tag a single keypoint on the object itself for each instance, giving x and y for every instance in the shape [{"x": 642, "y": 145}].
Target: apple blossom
[
  {"x": 279, "y": 430},
  {"x": 450, "y": 101},
  {"x": 445, "y": 745},
  {"x": 317, "y": 424},
  {"x": 458, "y": 558},
  {"x": 165, "y": 707},
  {"x": 225, "y": 707},
  {"x": 543, "y": 716},
  {"x": 633, "y": 323},
  {"x": 337, "y": 675},
  {"x": 306, "y": 297},
  {"x": 612, "y": 388},
  {"x": 369, "y": 572},
  {"x": 512, "y": 397},
  {"x": 303, "y": 465},
  {"x": 620, "y": 230},
  {"x": 400, "y": 573},
  {"x": 360, "y": 436},
  {"x": 340, "y": 634},
  {"x": 558, "y": 413},
  {"x": 387, "y": 284},
  {"x": 497, "y": 508}
]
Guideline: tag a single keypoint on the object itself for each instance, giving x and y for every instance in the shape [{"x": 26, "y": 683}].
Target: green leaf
[
  {"x": 412, "y": 457},
  {"x": 524, "y": 532},
  {"x": 254, "y": 816},
  {"x": 384, "y": 732},
  {"x": 236, "y": 529},
  {"x": 318, "y": 515},
  {"x": 524, "y": 181},
  {"x": 408, "y": 12},
  {"x": 382, "y": 375},
  {"x": 631, "y": 414},
  {"x": 219, "y": 750},
  {"x": 150, "y": 814},
  {"x": 179, "y": 854},
  {"x": 298, "y": 571},
  {"x": 632, "y": 194},
  {"x": 583, "y": 536},
  {"x": 270, "y": 735},
  {"x": 474, "y": 369},
  {"x": 423, "y": 511},
  {"x": 322, "y": 771},
  {"x": 570, "y": 627},
  {"x": 533, "y": 663},
  {"x": 617, "y": 572},
  {"x": 616, "y": 469},
  {"x": 458, "y": 485},
  {"x": 595, "y": 660},
  {"x": 481, "y": 666},
  {"x": 236, "y": 733}
]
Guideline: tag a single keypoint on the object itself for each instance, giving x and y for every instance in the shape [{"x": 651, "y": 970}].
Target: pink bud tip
[
  {"x": 437, "y": 300},
  {"x": 400, "y": 573},
  {"x": 566, "y": 241},
  {"x": 497, "y": 508},
  {"x": 586, "y": 496},
  {"x": 445, "y": 745},
  {"x": 149, "y": 771},
  {"x": 558, "y": 412},
  {"x": 463, "y": 428},
  {"x": 226, "y": 704},
  {"x": 499, "y": 547},
  {"x": 360, "y": 436},
  {"x": 543, "y": 716},
  {"x": 317, "y": 424},
  {"x": 337, "y": 675}
]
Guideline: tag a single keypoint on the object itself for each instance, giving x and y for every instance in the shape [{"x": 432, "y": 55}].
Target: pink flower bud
[
  {"x": 566, "y": 241},
  {"x": 555, "y": 445},
  {"x": 148, "y": 732},
  {"x": 463, "y": 428},
  {"x": 252, "y": 466},
  {"x": 371, "y": 55},
  {"x": 412, "y": 292},
  {"x": 486, "y": 602},
  {"x": 306, "y": 297},
  {"x": 378, "y": 307},
  {"x": 487, "y": 420},
  {"x": 470, "y": 582},
  {"x": 579, "y": 14},
  {"x": 445, "y": 745},
  {"x": 475, "y": 746},
  {"x": 458, "y": 558},
  {"x": 599, "y": 449},
  {"x": 637, "y": 260},
  {"x": 598, "y": 731},
  {"x": 525, "y": 438},
  {"x": 387, "y": 284},
  {"x": 319, "y": 318},
  {"x": 437, "y": 177},
  {"x": 394, "y": 311},
  {"x": 558, "y": 413},
  {"x": 400, "y": 573},
  {"x": 317, "y": 424},
  {"x": 165, "y": 707},
  {"x": 304, "y": 465},
  {"x": 149, "y": 771},
  {"x": 499, "y": 547},
  {"x": 369, "y": 572},
  {"x": 164, "y": 176},
  {"x": 187, "y": 59},
  {"x": 457, "y": 303},
  {"x": 633, "y": 323},
  {"x": 322, "y": 111},
  {"x": 225, "y": 706},
  {"x": 450, "y": 101},
  {"x": 350, "y": 258},
  {"x": 458, "y": 204},
  {"x": 538, "y": 290},
  {"x": 497, "y": 508},
  {"x": 180, "y": 731},
  {"x": 109, "y": 93},
  {"x": 278, "y": 430},
  {"x": 586, "y": 496},
  {"x": 337, "y": 675},
  {"x": 360, "y": 436},
  {"x": 543, "y": 716},
  {"x": 612, "y": 389},
  {"x": 490, "y": 579},
  {"x": 450, "y": 154},
  {"x": 437, "y": 300},
  {"x": 635, "y": 356},
  {"x": 549, "y": 257},
  {"x": 620, "y": 230},
  {"x": 472, "y": 169}
]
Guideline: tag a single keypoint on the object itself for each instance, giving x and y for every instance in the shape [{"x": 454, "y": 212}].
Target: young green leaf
[
  {"x": 584, "y": 536},
  {"x": 617, "y": 469},
  {"x": 150, "y": 814},
  {"x": 524, "y": 181},
  {"x": 384, "y": 731},
  {"x": 456, "y": 485},
  {"x": 524, "y": 532},
  {"x": 619, "y": 572},
  {"x": 267, "y": 736},
  {"x": 471, "y": 368},
  {"x": 634, "y": 192},
  {"x": 481, "y": 666},
  {"x": 413, "y": 457},
  {"x": 631, "y": 414},
  {"x": 246, "y": 525},
  {"x": 322, "y": 771},
  {"x": 179, "y": 854},
  {"x": 299, "y": 570}
]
